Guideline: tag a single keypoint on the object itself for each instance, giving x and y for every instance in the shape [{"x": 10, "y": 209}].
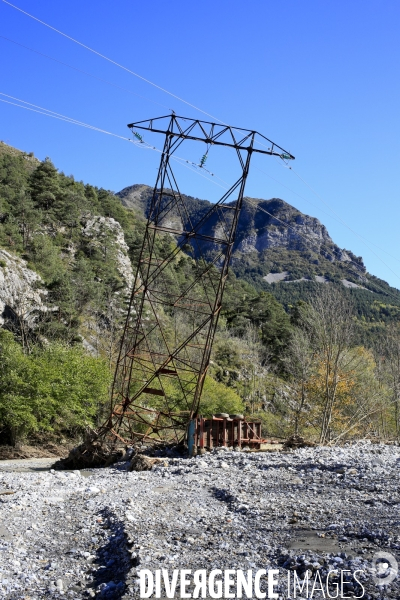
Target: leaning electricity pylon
[{"x": 170, "y": 327}]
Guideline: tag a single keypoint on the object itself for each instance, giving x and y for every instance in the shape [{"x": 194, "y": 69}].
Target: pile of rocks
[{"x": 309, "y": 511}]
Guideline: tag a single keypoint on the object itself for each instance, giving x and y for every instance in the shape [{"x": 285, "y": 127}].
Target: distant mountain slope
[
  {"x": 285, "y": 241},
  {"x": 287, "y": 253}
]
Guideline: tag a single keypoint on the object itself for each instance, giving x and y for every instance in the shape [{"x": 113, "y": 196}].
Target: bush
[
  {"x": 217, "y": 398},
  {"x": 58, "y": 389}
]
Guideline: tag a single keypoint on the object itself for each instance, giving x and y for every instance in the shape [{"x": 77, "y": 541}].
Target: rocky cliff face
[
  {"x": 21, "y": 295},
  {"x": 260, "y": 231},
  {"x": 104, "y": 231}
]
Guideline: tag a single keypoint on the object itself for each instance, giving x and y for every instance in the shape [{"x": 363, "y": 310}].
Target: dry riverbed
[{"x": 87, "y": 535}]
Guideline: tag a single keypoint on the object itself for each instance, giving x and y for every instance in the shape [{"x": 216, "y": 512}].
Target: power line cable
[
  {"x": 110, "y": 60},
  {"x": 342, "y": 220},
  {"x": 50, "y": 113},
  {"x": 337, "y": 216},
  {"x": 143, "y": 145},
  {"x": 182, "y": 161},
  {"x": 258, "y": 207},
  {"x": 290, "y": 190},
  {"x": 322, "y": 245}
]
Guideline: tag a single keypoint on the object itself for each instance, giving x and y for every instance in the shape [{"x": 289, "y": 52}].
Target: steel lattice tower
[{"x": 160, "y": 371}]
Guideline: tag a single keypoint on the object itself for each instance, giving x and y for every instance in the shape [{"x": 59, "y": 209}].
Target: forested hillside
[{"x": 303, "y": 356}]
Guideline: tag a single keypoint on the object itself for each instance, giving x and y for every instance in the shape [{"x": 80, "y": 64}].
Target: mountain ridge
[{"x": 265, "y": 227}]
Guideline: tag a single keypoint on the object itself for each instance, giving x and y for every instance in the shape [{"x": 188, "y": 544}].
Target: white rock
[
  {"x": 98, "y": 229},
  {"x": 18, "y": 289}
]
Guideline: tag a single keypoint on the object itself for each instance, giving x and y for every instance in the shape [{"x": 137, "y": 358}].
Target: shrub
[{"x": 58, "y": 389}]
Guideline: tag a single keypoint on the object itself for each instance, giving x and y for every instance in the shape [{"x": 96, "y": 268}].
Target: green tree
[
  {"x": 47, "y": 259},
  {"x": 217, "y": 397},
  {"x": 264, "y": 312},
  {"x": 44, "y": 185}
]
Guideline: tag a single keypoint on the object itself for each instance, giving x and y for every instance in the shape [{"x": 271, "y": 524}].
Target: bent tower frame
[{"x": 160, "y": 370}]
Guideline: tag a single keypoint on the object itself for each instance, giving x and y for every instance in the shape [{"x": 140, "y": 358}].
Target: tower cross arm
[{"x": 211, "y": 134}]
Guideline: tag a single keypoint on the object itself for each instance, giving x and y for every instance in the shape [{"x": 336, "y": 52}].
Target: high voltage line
[
  {"x": 335, "y": 215},
  {"x": 49, "y": 113},
  {"x": 110, "y": 60}
]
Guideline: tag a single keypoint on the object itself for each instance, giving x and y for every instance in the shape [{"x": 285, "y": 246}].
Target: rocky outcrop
[
  {"x": 22, "y": 296},
  {"x": 276, "y": 225},
  {"x": 284, "y": 278},
  {"x": 283, "y": 226},
  {"x": 136, "y": 197},
  {"x": 107, "y": 232},
  {"x": 20, "y": 293}
]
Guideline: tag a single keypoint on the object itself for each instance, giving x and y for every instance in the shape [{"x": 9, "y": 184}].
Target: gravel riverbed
[{"x": 310, "y": 511}]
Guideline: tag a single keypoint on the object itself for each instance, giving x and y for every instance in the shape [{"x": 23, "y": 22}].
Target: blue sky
[{"x": 319, "y": 77}]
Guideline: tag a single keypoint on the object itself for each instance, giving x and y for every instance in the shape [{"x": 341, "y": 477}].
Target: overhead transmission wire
[
  {"x": 327, "y": 249},
  {"x": 185, "y": 102},
  {"x": 54, "y": 115},
  {"x": 182, "y": 161},
  {"x": 340, "y": 218},
  {"x": 336, "y": 217},
  {"x": 343, "y": 222},
  {"x": 258, "y": 207},
  {"x": 331, "y": 209},
  {"x": 110, "y": 60},
  {"x": 144, "y": 145},
  {"x": 307, "y": 239}
]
